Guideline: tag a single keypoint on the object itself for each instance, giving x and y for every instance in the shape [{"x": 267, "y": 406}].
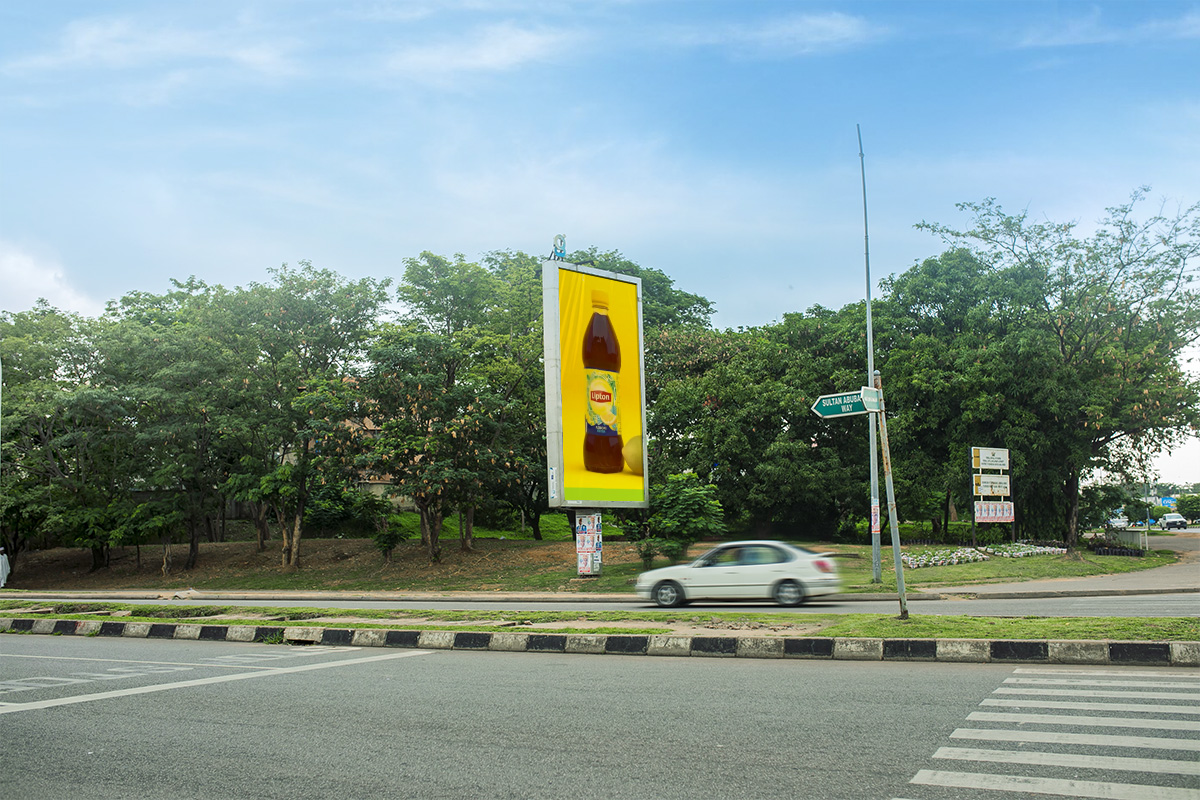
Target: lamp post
[{"x": 876, "y": 567}]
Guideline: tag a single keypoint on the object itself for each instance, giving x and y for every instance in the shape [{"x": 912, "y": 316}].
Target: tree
[
  {"x": 1089, "y": 352},
  {"x": 301, "y": 339},
  {"x": 1189, "y": 506},
  {"x": 684, "y": 511},
  {"x": 426, "y": 426},
  {"x": 68, "y": 442}
]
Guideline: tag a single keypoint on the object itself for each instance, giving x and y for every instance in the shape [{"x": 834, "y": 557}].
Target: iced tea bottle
[{"x": 602, "y": 366}]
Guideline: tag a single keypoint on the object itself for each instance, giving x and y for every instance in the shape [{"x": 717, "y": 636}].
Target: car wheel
[
  {"x": 668, "y": 594},
  {"x": 788, "y": 593}
]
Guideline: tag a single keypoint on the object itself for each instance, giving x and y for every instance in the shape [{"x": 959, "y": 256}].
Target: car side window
[{"x": 763, "y": 554}]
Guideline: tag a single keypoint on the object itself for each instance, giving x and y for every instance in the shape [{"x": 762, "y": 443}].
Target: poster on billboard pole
[{"x": 595, "y": 389}]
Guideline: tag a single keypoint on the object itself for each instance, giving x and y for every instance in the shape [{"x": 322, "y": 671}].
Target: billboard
[{"x": 595, "y": 392}]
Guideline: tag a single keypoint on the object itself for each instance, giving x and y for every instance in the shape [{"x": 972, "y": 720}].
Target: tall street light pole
[{"x": 876, "y": 567}]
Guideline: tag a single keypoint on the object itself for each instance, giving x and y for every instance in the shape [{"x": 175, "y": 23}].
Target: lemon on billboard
[{"x": 596, "y": 419}]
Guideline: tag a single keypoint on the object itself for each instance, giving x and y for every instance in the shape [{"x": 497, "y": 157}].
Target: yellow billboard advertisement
[{"x": 595, "y": 399}]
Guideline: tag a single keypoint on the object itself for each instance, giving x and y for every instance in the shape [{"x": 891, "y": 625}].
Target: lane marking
[
  {"x": 215, "y": 661},
  {"x": 1118, "y": 673},
  {"x": 1066, "y": 704},
  {"x": 1098, "y": 722},
  {"x": 1073, "y": 682},
  {"x": 1100, "y": 693},
  {"x": 1098, "y": 739},
  {"x": 164, "y": 687},
  {"x": 1055, "y": 786},
  {"x": 1156, "y": 765}
]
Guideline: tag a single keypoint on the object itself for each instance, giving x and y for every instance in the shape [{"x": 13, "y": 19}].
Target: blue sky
[{"x": 143, "y": 141}]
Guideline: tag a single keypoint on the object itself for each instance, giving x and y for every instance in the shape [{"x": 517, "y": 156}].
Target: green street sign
[{"x": 847, "y": 403}]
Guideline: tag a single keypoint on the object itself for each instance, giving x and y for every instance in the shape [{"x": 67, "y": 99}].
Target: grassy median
[{"x": 647, "y": 621}]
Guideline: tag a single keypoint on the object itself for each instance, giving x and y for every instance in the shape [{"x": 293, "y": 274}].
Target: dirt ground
[{"x": 325, "y": 564}]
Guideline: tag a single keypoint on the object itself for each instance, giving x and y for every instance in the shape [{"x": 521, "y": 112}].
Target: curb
[{"x": 997, "y": 651}]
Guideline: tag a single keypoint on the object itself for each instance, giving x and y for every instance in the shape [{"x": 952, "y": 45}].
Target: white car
[
  {"x": 1172, "y": 521},
  {"x": 751, "y": 570}
]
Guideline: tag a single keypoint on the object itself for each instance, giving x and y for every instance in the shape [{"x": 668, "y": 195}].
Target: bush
[{"x": 390, "y": 531}]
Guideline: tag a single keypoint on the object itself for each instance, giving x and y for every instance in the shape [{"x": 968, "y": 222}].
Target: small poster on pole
[{"x": 589, "y": 544}]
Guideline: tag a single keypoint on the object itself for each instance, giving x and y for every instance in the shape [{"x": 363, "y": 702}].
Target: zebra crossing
[{"x": 1112, "y": 734}]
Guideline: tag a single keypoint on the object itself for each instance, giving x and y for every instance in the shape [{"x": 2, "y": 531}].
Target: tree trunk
[
  {"x": 535, "y": 522},
  {"x": 1071, "y": 489},
  {"x": 293, "y": 560},
  {"x": 466, "y": 537},
  {"x": 285, "y": 535},
  {"x": 431, "y": 529},
  {"x": 260, "y": 524},
  {"x": 99, "y": 557},
  {"x": 166, "y": 562},
  {"x": 193, "y": 545}
]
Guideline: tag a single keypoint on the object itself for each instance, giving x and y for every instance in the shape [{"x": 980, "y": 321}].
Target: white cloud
[
  {"x": 120, "y": 44},
  {"x": 492, "y": 48},
  {"x": 1090, "y": 30},
  {"x": 798, "y": 35},
  {"x": 25, "y": 278}
]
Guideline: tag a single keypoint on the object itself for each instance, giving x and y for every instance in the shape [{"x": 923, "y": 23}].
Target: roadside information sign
[
  {"x": 992, "y": 485},
  {"x": 989, "y": 457}
]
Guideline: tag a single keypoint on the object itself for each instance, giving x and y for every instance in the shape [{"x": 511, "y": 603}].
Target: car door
[
  {"x": 761, "y": 567},
  {"x": 716, "y": 575}
]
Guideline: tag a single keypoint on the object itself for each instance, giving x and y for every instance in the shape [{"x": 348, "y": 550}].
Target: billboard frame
[{"x": 552, "y": 360}]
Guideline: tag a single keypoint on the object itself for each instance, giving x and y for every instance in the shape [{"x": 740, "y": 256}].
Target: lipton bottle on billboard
[{"x": 602, "y": 367}]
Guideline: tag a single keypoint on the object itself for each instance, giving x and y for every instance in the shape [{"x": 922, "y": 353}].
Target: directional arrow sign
[{"x": 840, "y": 405}]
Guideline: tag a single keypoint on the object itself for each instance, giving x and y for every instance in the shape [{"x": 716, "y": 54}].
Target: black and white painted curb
[{"x": 1173, "y": 654}]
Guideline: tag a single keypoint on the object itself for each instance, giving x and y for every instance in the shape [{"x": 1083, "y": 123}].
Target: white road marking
[
  {"x": 1054, "y": 786},
  {"x": 1156, "y": 765},
  {"x": 1098, "y": 739},
  {"x": 1098, "y": 693},
  {"x": 1133, "y": 684},
  {"x": 163, "y": 687},
  {"x": 1117, "y": 673},
  {"x": 1099, "y": 722},
  {"x": 231, "y": 661},
  {"x": 1147, "y": 708}
]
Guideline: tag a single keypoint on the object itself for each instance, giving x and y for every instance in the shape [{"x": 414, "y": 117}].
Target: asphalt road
[{"x": 100, "y": 718}]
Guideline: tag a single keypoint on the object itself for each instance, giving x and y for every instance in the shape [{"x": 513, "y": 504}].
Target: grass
[
  {"x": 854, "y": 566},
  {"x": 641, "y": 621}
]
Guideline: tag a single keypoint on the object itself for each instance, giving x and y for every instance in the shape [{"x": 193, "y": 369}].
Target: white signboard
[
  {"x": 989, "y": 458},
  {"x": 992, "y": 485}
]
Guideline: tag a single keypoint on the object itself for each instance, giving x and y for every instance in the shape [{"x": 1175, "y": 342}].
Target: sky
[{"x": 716, "y": 141}]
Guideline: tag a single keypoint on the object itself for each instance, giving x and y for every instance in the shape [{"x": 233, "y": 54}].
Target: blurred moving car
[
  {"x": 1172, "y": 521},
  {"x": 750, "y": 570},
  {"x": 1118, "y": 522}
]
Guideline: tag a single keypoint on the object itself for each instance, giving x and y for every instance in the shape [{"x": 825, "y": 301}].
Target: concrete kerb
[{"x": 1147, "y": 653}]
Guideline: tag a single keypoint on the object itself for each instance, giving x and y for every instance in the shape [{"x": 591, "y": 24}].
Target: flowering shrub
[
  {"x": 941, "y": 558},
  {"x": 1022, "y": 549}
]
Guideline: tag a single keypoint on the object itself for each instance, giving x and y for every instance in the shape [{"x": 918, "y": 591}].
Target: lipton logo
[{"x": 600, "y": 396}]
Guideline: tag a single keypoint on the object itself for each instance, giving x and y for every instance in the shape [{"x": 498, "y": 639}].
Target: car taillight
[{"x": 823, "y": 566}]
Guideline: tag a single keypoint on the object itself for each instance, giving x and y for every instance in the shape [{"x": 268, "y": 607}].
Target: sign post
[
  {"x": 992, "y": 488},
  {"x": 869, "y": 400}
]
